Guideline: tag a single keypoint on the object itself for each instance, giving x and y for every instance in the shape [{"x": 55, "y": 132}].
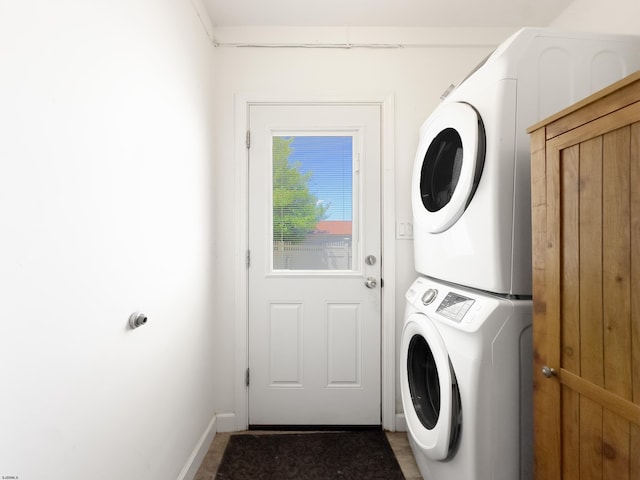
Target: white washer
[
  {"x": 466, "y": 383},
  {"x": 471, "y": 179}
]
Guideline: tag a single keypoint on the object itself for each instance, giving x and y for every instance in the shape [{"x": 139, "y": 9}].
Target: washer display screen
[{"x": 455, "y": 306}]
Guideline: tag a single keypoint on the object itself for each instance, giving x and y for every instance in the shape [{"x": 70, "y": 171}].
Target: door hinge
[
  {"x": 248, "y": 140},
  {"x": 248, "y": 258},
  {"x": 246, "y": 378}
]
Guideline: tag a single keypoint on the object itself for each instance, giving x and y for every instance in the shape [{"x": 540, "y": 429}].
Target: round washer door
[
  {"x": 448, "y": 165},
  {"x": 429, "y": 389}
]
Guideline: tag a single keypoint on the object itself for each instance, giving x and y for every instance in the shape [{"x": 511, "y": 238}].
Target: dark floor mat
[{"x": 358, "y": 455}]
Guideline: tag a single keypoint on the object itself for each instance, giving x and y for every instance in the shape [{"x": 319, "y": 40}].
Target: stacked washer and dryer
[{"x": 466, "y": 348}]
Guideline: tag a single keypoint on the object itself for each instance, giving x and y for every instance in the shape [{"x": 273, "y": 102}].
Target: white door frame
[{"x": 388, "y": 327}]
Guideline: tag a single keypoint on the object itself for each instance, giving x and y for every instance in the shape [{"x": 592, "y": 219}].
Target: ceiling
[{"x": 384, "y": 13}]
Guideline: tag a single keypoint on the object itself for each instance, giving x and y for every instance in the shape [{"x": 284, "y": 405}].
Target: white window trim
[{"x": 388, "y": 339}]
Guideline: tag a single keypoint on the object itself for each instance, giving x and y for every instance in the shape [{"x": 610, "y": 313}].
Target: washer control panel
[{"x": 454, "y": 306}]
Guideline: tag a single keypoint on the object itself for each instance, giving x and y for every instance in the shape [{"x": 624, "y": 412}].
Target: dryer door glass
[
  {"x": 441, "y": 170},
  {"x": 448, "y": 166},
  {"x": 424, "y": 383}
]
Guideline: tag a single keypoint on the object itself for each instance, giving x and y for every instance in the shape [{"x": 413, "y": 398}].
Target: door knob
[
  {"x": 548, "y": 372},
  {"x": 370, "y": 282}
]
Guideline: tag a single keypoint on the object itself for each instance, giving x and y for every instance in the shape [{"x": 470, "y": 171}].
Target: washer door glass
[
  {"x": 424, "y": 383},
  {"x": 430, "y": 394},
  {"x": 448, "y": 165}
]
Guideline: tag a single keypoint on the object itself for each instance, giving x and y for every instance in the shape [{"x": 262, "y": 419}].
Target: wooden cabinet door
[{"x": 586, "y": 263}]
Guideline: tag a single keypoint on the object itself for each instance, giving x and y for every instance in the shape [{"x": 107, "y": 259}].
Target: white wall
[
  {"x": 110, "y": 203},
  {"x": 105, "y": 208},
  {"x": 416, "y": 76},
  {"x": 614, "y": 16}
]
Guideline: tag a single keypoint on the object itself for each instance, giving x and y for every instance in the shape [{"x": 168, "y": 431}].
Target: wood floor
[{"x": 398, "y": 441}]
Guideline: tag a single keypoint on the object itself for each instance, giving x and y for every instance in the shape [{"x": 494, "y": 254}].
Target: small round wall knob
[{"x": 137, "y": 319}]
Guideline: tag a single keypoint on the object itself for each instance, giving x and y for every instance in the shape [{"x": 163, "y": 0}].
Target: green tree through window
[{"x": 296, "y": 211}]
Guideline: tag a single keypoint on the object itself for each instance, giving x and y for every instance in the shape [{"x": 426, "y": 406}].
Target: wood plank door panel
[
  {"x": 586, "y": 258},
  {"x": 546, "y": 398}
]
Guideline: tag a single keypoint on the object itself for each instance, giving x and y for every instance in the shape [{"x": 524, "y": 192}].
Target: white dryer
[
  {"x": 466, "y": 383},
  {"x": 471, "y": 178}
]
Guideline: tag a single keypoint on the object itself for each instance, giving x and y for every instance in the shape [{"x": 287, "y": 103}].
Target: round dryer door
[
  {"x": 448, "y": 165},
  {"x": 429, "y": 389}
]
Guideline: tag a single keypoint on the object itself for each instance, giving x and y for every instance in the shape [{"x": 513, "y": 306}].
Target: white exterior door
[{"x": 314, "y": 274}]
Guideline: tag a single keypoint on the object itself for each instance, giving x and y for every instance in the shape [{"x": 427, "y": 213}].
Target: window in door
[{"x": 314, "y": 222}]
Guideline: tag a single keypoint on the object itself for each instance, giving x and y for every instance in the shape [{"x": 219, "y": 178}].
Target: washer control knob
[{"x": 429, "y": 296}]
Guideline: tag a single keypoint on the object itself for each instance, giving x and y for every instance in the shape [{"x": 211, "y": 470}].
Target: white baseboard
[
  {"x": 401, "y": 423},
  {"x": 227, "y": 422},
  {"x": 202, "y": 447}
]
